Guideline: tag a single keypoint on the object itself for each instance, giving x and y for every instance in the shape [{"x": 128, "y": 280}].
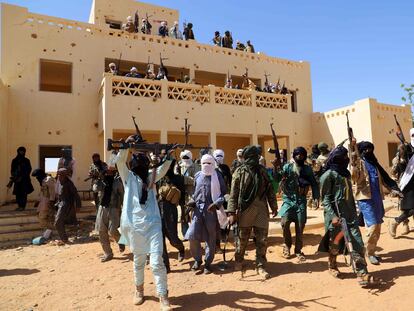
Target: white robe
[{"x": 140, "y": 224}]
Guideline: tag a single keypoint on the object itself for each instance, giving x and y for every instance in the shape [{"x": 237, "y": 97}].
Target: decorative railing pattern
[
  {"x": 157, "y": 89},
  {"x": 273, "y": 101},
  {"x": 185, "y": 92},
  {"x": 136, "y": 87},
  {"x": 233, "y": 97}
]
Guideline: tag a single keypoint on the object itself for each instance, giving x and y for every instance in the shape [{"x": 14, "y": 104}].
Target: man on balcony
[
  {"x": 133, "y": 73},
  {"x": 163, "y": 30}
]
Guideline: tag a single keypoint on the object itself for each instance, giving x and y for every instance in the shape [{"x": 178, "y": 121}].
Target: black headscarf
[
  {"x": 338, "y": 161},
  {"x": 39, "y": 174},
  {"x": 366, "y": 150},
  {"x": 300, "y": 151},
  {"x": 139, "y": 164},
  {"x": 250, "y": 166}
]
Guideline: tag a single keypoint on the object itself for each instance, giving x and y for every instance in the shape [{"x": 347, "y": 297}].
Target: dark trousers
[
  {"x": 260, "y": 241},
  {"x": 21, "y": 200},
  {"x": 169, "y": 217},
  {"x": 64, "y": 215},
  {"x": 406, "y": 213},
  {"x": 287, "y": 236}
]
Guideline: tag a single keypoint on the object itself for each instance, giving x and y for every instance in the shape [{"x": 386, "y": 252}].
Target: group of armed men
[
  {"x": 138, "y": 194},
  {"x": 226, "y": 41}
]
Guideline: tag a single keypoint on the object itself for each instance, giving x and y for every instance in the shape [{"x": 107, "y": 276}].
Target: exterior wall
[
  {"x": 4, "y": 141},
  {"x": 80, "y": 119},
  {"x": 119, "y": 10},
  {"x": 370, "y": 121}
]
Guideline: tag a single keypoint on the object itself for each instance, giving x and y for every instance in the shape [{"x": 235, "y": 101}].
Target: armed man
[
  {"x": 146, "y": 26},
  {"x": 341, "y": 220},
  {"x": 250, "y": 197},
  {"x": 240, "y": 46},
  {"x": 404, "y": 169},
  {"x": 249, "y": 47},
  {"x": 217, "y": 39},
  {"x": 369, "y": 177},
  {"x": 163, "y": 29},
  {"x": 133, "y": 73},
  {"x": 188, "y": 32},
  {"x": 175, "y": 32},
  {"x": 295, "y": 180},
  {"x": 227, "y": 40},
  {"x": 129, "y": 26},
  {"x": 112, "y": 69},
  {"x": 97, "y": 171}
]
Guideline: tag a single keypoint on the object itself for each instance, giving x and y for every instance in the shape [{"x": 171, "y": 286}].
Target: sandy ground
[{"x": 72, "y": 278}]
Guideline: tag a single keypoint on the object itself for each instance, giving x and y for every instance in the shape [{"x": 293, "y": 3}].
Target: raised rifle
[
  {"x": 276, "y": 150},
  {"x": 267, "y": 86},
  {"x": 187, "y": 144},
  {"x": 350, "y": 136},
  {"x": 163, "y": 69},
  {"x": 400, "y": 133},
  {"x": 136, "y": 22},
  {"x": 346, "y": 236},
  {"x": 138, "y": 135}
]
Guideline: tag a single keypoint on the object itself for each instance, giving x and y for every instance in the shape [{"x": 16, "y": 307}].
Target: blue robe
[
  {"x": 141, "y": 226},
  {"x": 372, "y": 209},
  {"x": 204, "y": 224}
]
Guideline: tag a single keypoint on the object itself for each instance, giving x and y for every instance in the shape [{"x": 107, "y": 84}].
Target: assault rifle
[
  {"x": 400, "y": 133},
  {"x": 267, "y": 86},
  {"x": 350, "y": 136},
  {"x": 346, "y": 236},
  {"x": 187, "y": 145},
  {"x": 136, "y": 22},
  {"x": 163, "y": 69},
  {"x": 138, "y": 135},
  {"x": 275, "y": 151}
]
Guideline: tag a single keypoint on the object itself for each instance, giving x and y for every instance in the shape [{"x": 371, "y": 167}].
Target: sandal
[
  {"x": 368, "y": 280},
  {"x": 286, "y": 252}
]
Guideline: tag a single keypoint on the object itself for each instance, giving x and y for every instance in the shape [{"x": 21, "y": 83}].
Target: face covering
[
  {"x": 186, "y": 158},
  {"x": 219, "y": 156},
  {"x": 300, "y": 151},
  {"x": 207, "y": 165}
]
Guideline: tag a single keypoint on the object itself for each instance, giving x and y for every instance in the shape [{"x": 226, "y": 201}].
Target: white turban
[
  {"x": 129, "y": 19},
  {"x": 239, "y": 152},
  {"x": 218, "y": 154},
  {"x": 207, "y": 165},
  {"x": 186, "y": 162}
]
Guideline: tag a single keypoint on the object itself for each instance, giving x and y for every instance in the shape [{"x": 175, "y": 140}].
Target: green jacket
[{"x": 293, "y": 200}]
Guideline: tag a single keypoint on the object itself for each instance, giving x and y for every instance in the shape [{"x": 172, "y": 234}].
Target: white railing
[{"x": 174, "y": 91}]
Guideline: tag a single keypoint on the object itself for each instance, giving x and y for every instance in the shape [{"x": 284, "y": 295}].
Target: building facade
[{"x": 54, "y": 91}]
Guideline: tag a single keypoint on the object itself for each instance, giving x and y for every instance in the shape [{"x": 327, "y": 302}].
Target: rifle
[
  {"x": 346, "y": 235},
  {"x": 142, "y": 146},
  {"x": 162, "y": 67},
  {"x": 138, "y": 135},
  {"x": 267, "y": 87},
  {"x": 350, "y": 136},
  {"x": 275, "y": 151},
  {"x": 187, "y": 145},
  {"x": 136, "y": 22},
  {"x": 400, "y": 133}
]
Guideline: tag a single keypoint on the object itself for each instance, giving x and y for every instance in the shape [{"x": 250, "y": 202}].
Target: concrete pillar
[
  {"x": 213, "y": 140},
  {"x": 164, "y": 136},
  {"x": 254, "y": 139}
]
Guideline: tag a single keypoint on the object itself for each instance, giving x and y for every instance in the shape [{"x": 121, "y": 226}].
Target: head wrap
[
  {"x": 315, "y": 150},
  {"x": 186, "y": 158},
  {"x": 262, "y": 161},
  {"x": 338, "y": 161},
  {"x": 300, "y": 151},
  {"x": 366, "y": 150},
  {"x": 39, "y": 174},
  {"x": 207, "y": 165},
  {"x": 323, "y": 147},
  {"x": 218, "y": 154},
  {"x": 129, "y": 19},
  {"x": 412, "y": 137},
  {"x": 239, "y": 153},
  {"x": 21, "y": 149},
  {"x": 139, "y": 164}
]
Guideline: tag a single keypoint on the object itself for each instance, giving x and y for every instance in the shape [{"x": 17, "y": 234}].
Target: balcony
[{"x": 182, "y": 92}]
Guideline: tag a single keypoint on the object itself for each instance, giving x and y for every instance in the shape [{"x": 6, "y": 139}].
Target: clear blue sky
[{"x": 357, "y": 48}]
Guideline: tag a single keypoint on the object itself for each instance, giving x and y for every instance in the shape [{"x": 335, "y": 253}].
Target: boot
[
  {"x": 139, "y": 295},
  {"x": 263, "y": 273},
  {"x": 405, "y": 228},
  {"x": 332, "y": 266},
  {"x": 392, "y": 228},
  {"x": 165, "y": 303}
]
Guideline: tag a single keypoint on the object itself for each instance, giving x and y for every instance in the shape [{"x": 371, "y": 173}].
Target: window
[
  {"x": 114, "y": 24},
  {"x": 55, "y": 76},
  {"x": 294, "y": 101}
]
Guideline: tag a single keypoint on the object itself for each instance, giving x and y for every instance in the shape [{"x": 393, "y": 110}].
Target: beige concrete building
[{"x": 54, "y": 93}]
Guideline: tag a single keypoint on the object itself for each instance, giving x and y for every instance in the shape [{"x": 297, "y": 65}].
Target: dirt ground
[{"x": 72, "y": 278}]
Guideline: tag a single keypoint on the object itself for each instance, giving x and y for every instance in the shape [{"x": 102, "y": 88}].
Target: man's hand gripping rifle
[{"x": 277, "y": 162}]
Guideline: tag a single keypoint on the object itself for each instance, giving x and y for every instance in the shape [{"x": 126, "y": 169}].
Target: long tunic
[
  {"x": 204, "y": 223},
  {"x": 20, "y": 172},
  {"x": 141, "y": 226},
  {"x": 293, "y": 201},
  {"x": 372, "y": 209},
  {"x": 336, "y": 192}
]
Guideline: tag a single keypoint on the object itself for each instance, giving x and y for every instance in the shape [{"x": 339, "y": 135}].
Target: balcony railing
[{"x": 182, "y": 92}]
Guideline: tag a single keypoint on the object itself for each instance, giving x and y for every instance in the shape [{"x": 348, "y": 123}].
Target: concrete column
[
  {"x": 164, "y": 89},
  {"x": 164, "y": 136},
  {"x": 255, "y": 139},
  {"x": 213, "y": 140}
]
